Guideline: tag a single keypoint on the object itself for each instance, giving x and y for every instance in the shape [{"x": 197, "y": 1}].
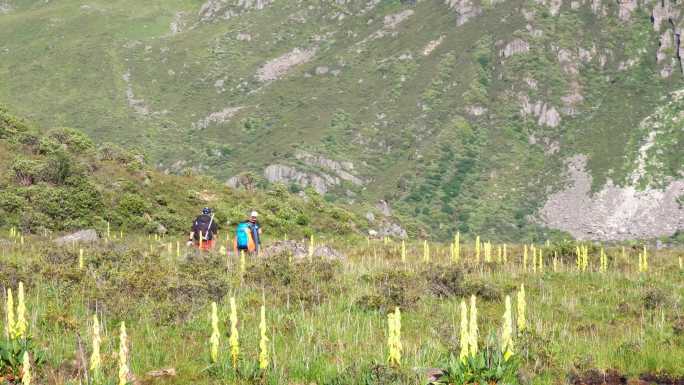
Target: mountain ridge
[{"x": 467, "y": 120}]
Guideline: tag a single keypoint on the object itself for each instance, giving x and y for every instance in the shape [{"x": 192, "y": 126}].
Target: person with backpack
[
  {"x": 248, "y": 235},
  {"x": 204, "y": 230}
]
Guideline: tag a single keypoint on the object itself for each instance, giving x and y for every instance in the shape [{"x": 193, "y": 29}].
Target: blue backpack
[{"x": 242, "y": 235}]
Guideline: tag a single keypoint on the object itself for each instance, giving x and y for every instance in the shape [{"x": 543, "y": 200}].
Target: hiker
[
  {"x": 248, "y": 235},
  {"x": 204, "y": 230}
]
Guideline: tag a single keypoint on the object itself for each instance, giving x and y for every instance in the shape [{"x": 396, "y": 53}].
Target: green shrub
[{"x": 487, "y": 367}]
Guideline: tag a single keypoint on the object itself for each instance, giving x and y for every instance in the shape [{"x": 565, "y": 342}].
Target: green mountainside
[
  {"x": 61, "y": 181},
  {"x": 461, "y": 115}
]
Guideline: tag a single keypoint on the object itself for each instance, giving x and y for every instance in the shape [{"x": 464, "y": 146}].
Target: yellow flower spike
[
  {"x": 95, "y": 360},
  {"x": 585, "y": 259},
  {"x": 124, "y": 371},
  {"x": 263, "y": 342},
  {"x": 20, "y": 325},
  {"x": 525, "y": 258},
  {"x": 579, "y": 257},
  {"x": 80, "y": 259},
  {"x": 472, "y": 327},
  {"x": 214, "y": 339},
  {"x": 26, "y": 376},
  {"x": 507, "y": 331},
  {"x": 234, "y": 341},
  {"x": 681, "y": 265},
  {"x": 465, "y": 339},
  {"x": 521, "y": 320},
  {"x": 457, "y": 247},
  {"x": 311, "y": 246},
  {"x": 505, "y": 254},
  {"x": 541, "y": 261},
  {"x": 394, "y": 337},
  {"x": 177, "y": 249},
  {"x": 9, "y": 312},
  {"x": 477, "y": 249},
  {"x": 645, "y": 260},
  {"x": 403, "y": 251},
  {"x": 243, "y": 262},
  {"x": 426, "y": 251}
]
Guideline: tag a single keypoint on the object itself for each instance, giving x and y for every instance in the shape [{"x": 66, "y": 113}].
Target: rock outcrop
[
  {"x": 342, "y": 170},
  {"x": 220, "y": 9},
  {"x": 82, "y": 236},
  {"x": 432, "y": 45},
  {"x": 300, "y": 250},
  {"x": 330, "y": 173},
  {"x": 546, "y": 114},
  {"x": 217, "y": 117},
  {"x": 138, "y": 105},
  {"x": 465, "y": 10},
  {"x": 615, "y": 212},
  {"x": 516, "y": 46},
  {"x": 4, "y": 7},
  {"x": 280, "y": 66},
  {"x": 279, "y": 173},
  {"x": 625, "y": 9}
]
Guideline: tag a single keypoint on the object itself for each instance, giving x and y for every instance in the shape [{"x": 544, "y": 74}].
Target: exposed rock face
[
  {"x": 598, "y": 8},
  {"x": 662, "y": 12},
  {"x": 178, "y": 23},
  {"x": 4, "y": 7},
  {"x": 331, "y": 173},
  {"x": 614, "y": 213},
  {"x": 343, "y": 170},
  {"x": 516, "y": 46},
  {"x": 572, "y": 99},
  {"x": 243, "y": 36},
  {"x": 245, "y": 180},
  {"x": 568, "y": 61},
  {"x": 625, "y": 9},
  {"x": 391, "y": 229},
  {"x": 300, "y": 250},
  {"x": 278, "y": 173},
  {"x": 476, "y": 110},
  {"x": 384, "y": 208},
  {"x": 220, "y": 9},
  {"x": 431, "y": 46},
  {"x": 89, "y": 235},
  {"x": 547, "y": 114},
  {"x": 138, "y": 105},
  {"x": 217, "y": 117},
  {"x": 555, "y": 6},
  {"x": 465, "y": 10},
  {"x": 279, "y": 66},
  {"x": 392, "y": 21}
]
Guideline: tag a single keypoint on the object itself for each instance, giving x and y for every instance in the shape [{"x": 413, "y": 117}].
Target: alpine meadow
[{"x": 342, "y": 192}]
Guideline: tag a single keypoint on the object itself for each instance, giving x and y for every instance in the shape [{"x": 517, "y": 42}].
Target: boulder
[
  {"x": 81, "y": 236},
  {"x": 300, "y": 250}
]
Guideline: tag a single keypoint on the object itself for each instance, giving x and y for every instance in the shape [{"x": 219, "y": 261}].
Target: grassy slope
[
  {"x": 328, "y": 325},
  {"x": 106, "y": 185},
  {"x": 413, "y": 151}
]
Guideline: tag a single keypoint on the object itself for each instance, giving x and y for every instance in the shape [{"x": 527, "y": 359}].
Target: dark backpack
[{"x": 203, "y": 227}]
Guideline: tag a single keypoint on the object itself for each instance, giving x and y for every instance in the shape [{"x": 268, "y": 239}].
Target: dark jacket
[{"x": 206, "y": 226}]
